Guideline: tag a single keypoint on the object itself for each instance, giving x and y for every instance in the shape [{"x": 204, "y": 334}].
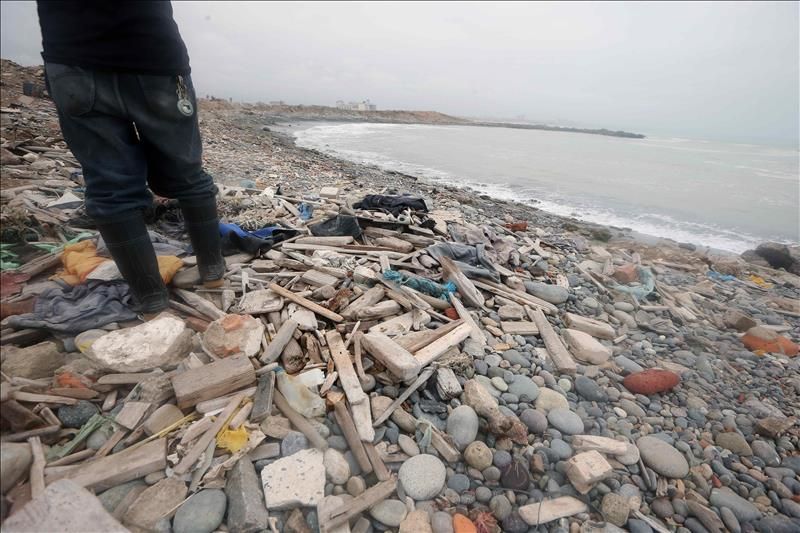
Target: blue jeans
[{"x": 127, "y": 133}]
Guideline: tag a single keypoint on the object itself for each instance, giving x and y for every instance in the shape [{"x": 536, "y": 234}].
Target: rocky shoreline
[{"x": 574, "y": 379}]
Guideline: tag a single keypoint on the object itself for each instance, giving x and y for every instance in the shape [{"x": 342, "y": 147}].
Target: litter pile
[{"x": 428, "y": 361}]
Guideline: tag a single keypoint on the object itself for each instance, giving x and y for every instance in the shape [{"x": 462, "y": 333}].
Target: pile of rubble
[{"x": 434, "y": 361}]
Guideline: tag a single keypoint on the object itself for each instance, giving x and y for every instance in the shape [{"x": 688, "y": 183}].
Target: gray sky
[{"x": 716, "y": 70}]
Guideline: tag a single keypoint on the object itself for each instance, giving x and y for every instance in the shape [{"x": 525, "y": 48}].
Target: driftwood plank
[
  {"x": 437, "y": 348},
  {"x": 212, "y": 380},
  {"x": 555, "y": 348},
  {"x": 393, "y": 356},
  {"x": 206, "y": 438},
  {"x": 121, "y": 467},
  {"x": 308, "y": 304}
]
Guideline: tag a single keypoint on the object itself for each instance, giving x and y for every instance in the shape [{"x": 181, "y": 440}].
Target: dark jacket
[{"x": 123, "y": 36}]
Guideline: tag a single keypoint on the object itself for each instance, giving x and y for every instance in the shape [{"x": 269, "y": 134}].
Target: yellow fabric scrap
[
  {"x": 81, "y": 259},
  {"x": 761, "y": 282},
  {"x": 232, "y": 440}
]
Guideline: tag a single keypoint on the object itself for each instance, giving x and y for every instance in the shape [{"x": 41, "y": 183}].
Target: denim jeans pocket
[
  {"x": 161, "y": 95},
  {"x": 72, "y": 88}
]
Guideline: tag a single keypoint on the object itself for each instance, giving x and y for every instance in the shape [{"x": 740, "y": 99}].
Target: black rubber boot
[
  {"x": 202, "y": 224},
  {"x": 130, "y": 247}
]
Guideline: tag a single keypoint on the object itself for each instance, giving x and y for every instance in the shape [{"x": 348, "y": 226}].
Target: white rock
[
  {"x": 297, "y": 480},
  {"x": 585, "y": 347},
  {"x": 163, "y": 341},
  {"x": 336, "y": 467},
  {"x": 233, "y": 334}
]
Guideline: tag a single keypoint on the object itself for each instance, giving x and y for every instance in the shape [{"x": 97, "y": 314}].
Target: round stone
[
  {"x": 565, "y": 421},
  {"x": 535, "y": 420},
  {"x": 408, "y": 445},
  {"x": 501, "y": 507},
  {"x": 589, "y": 389},
  {"x": 499, "y": 384},
  {"x": 462, "y": 426},
  {"x": 549, "y": 399},
  {"x": 75, "y": 416},
  {"x": 422, "y": 476},
  {"x": 389, "y": 512},
  {"x": 483, "y": 494},
  {"x": 202, "y": 513},
  {"x": 442, "y": 522},
  {"x": 565, "y": 384},
  {"x": 662, "y": 457},
  {"x": 561, "y": 449},
  {"x": 292, "y": 443},
  {"x": 336, "y": 467},
  {"x": 524, "y": 388},
  {"x": 356, "y": 485},
  {"x": 478, "y": 455},
  {"x": 458, "y": 482}
]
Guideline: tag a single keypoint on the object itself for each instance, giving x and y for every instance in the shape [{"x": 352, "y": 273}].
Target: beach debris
[{"x": 374, "y": 355}]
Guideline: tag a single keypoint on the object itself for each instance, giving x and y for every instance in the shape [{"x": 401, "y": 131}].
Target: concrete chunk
[{"x": 297, "y": 480}]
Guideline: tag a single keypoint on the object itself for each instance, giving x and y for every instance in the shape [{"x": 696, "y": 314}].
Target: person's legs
[
  {"x": 173, "y": 148},
  {"x": 94, "y": 124}
]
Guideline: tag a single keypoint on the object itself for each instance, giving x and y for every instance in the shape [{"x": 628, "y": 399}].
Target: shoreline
[{"x": 285, "y": 131}]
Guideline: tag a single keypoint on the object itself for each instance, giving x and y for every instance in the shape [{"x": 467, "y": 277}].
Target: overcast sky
[{"x": 715, "y": 70}]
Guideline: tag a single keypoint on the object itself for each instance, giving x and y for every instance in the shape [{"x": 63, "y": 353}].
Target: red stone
[
  {"x": 627, "y": 273},
  {"x": 651, "y": 381}
]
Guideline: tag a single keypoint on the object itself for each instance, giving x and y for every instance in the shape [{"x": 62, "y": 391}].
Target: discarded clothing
[
  {"x": 496, "y": 249},
  {"x": 337, "y": 226},
  {"x": 79, "y": 260},
  {"x": 80, "y": 308},
  {"x": 392, "y": 204},
  {"x": 82, "y": 262},
  {"x": 422, "y": 285},
  {"x": 235, "y": 239},
  {"x": 470, "y": 259}
]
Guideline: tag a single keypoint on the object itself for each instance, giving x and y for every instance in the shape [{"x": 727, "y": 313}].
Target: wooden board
[
  {"x": 212, "y": 380},
  {"x": 519, "y": 328},
  {"x": 279, "y": 342},
  {"x": 420, "y": 339},
  {"x": 379, "y": 310},
  {"x": 393, "y": 356},
  {"x": 437, "y": 348},
  {"x": 366, "y": 300},
  {"x": 308, "y": 304},
  {"x": 315, "y": 278},
  {"x": 558, "y": 353},
  {"x": 477, "y": 335},
  {"x": 122, "y": 467},
  {"x": 197, "y": 449},
  {"x": 262, "y": 401},
  {"x": 547, "y": 511},
  {"x": 593, "y": 327},
  {"x": 450, "y": 271},
  {"x": 260, "y": 302},
  {"x": 131, "y": 414}
]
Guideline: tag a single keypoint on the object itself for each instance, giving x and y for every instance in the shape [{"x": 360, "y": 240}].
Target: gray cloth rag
[
  {"x": 77, "y": 309},
  {"x": 470, "y": 259}
]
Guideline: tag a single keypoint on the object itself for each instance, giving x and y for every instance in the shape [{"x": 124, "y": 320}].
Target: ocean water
[{"x": 727, "y": 196}]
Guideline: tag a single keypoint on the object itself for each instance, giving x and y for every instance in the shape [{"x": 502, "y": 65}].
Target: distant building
[
  {"x": 277, "y": 102},
  {"x": 364, "y": 105}
]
